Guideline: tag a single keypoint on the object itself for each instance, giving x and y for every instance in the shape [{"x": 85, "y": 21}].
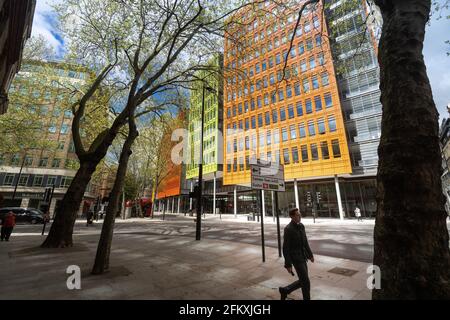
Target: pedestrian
[
  {"x": 89, "y": 217},
  {"x": 8, "y": 224},
  {"x": 358, "y": 213},
  {"x": 296, "y": 252}
]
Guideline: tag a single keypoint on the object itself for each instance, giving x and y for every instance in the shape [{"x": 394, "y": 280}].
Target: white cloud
[{"x": 43, "y": 24}]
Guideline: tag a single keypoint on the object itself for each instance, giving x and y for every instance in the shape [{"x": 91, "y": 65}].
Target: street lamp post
[
  {"x": 200, "y": 166},
  {"x": 18, "y": 179}
]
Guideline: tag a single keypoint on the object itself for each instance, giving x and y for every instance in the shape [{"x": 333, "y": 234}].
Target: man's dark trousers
[
  {"x": 302, "y": 271},
  {"x": 6, "y": 233}
]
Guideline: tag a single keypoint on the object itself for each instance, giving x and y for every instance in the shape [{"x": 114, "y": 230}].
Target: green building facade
[{"x": 212, "y": 127}]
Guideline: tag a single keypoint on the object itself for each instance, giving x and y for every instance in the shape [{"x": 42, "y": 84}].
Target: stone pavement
[{"x": 166, "y": 267}]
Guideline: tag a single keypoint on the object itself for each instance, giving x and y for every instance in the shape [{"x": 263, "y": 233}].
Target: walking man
[{"x": 296, "y": 252}]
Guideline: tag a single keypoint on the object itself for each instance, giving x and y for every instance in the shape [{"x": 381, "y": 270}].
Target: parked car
[{"x": 24, "y": 215}]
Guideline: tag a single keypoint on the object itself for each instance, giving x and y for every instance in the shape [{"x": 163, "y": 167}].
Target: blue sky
[{"x": 435, "y": 49}]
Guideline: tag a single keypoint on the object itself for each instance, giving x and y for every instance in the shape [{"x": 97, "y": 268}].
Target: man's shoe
[{"x": 282, "y": 293}]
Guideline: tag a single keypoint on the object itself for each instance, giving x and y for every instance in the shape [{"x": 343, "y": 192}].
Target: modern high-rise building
[
  {"x": 39, "y": 87},
  {"x": 207, "y": 93},
  {"x": 318, "y": 114}
]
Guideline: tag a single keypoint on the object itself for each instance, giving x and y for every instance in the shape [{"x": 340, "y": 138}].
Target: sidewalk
[{"x": 145, "y": 266}]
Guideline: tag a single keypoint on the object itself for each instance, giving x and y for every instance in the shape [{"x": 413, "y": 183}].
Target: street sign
[{"x": 268, "y": 176}]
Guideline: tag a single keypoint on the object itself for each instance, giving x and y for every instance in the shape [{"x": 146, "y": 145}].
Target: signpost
[{"x": 270, "y": 177}]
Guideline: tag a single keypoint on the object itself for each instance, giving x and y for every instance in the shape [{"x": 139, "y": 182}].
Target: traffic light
[{"x": 319, "y": 197}]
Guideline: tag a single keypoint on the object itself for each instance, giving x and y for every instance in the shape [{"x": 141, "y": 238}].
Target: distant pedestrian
[
  {"x": 296, "y": 252},
  {"x": 8, "y": 224},
  {"x": 89, "y": 217},
  {"x": 358, "y": 213}
]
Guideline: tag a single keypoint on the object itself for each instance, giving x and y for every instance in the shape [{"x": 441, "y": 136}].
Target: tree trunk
[
  {"x": 411, "y": 241},
  {"x": 104, "y": 246},
  {"x": 60, "y": 234}
]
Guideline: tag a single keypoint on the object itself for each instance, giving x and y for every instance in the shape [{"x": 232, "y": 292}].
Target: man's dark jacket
[{"x": 295, "y": 245}]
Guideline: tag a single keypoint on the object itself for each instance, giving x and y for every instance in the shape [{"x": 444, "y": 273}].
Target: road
[{"x": 348, "y": 240}]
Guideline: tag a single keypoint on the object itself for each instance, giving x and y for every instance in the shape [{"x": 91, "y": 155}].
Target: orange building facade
[{"x": 291, "y": 115}]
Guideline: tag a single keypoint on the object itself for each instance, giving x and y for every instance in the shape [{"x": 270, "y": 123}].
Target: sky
[{"x": 435, "y": 49}]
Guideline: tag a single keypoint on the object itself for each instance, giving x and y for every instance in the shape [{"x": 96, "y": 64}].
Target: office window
[
  {"x": 229, "y": 147},
  {"x": 66, "y": 181},
  {"x": 52, "y": 128},
  {"x": 56, "y": 163},
  {"x": 68, "y": 114},
  {"x": 43, "y": 162},
  {"x": 272, "y": 79},
  {"x": 276, "y": 136},
  {"x": 314, "y": 152},
  {"x": 309, "y": 44},
  {"x": 284, "y": 135},
  {"x": 307, "y": 27},
  {"x": 321, "y": 125},
  {"x": 253, "y": 122},
  {"x": 247, "y": 163},
  {"x": 289, "y": 92},
  {"x": 247, "y": 143},
  {"x": 269, "y": 138},
  {"x": 257, "y": 68},
  {"x": 336, "y": 148},
  {"x": 312, "y": 62},
  {"x": 328, "y": 100},
  {"x": 266, "y": 99},
  {"x": 254, "y": 142},
  {"x": 299, "y": 109},
  {"x": 325, "y": 79},
  {"x": 274, "y": 116},
  {"x": 265, "y": 83},
  {"x": 228, "y": 112},
  {"x": 51, "y": 181},
  {"x": 273, "y": 97},
  {"x": 311, "y": 128},
  {"x": 246, "y": 106},
  {"x": 241, "y": 144},
  {"x": 308, "y": 105},
  {"x": 23, "y": 180},
  {"x": 303, "y": 65},
  {"x": 28, "y": 161},
  {"x": 252, "y": 104},
  {"x": 9, "y": 179},
  {"x": 325, "y": 151},
  {"x": 302, "y": 130},
  {"x": 270, "y": 62},
  {"x": 305, "y": 154},
  {"x": 228, "y": 167},
  {"x": 240, "y": 108},
  {"x": 267, "y": 114},
  {"x": 318, "y": 40},
  {"x": 282, "y": 114},
  {"x": 258, "y": 85},
  {"x": 259, "y": 103},
  {"x": 264, "y": 65},
  {"x": 318, "y": 103},
  {"x": 293, "y": 132},
  {"x": 261, "y": 140},
  {"x": 37, "y": 181},
  {"x": 278, "y": 58},
  {"x": 306, "y": 85},
  {"x": 286, "y": 158},
  {"x": 247, "y": 124},
  {"x": 295, "y": 158},
  {"x": 260, "y": 120},
  {"x": 291, "y": 111},
  {"x": 280, "y": 95},
  {"x": 297, "y": 89},
  {"x": 235, "y": 145},
  {"x": 301, "y": 48},
  {"x": 241, "y": 125},
  {"x": 315, "y": 82},
  {"x": 332, "y": 124},
  {"x": 235, "y": 165}
]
